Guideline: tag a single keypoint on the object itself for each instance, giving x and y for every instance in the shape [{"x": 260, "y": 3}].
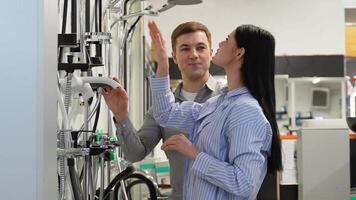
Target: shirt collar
[
  {"x": 234, "y": 92},
  {"x": 210, "y": 84}
]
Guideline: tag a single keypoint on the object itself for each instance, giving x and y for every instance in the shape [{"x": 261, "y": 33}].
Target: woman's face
[{"x": 227, "y": 52}]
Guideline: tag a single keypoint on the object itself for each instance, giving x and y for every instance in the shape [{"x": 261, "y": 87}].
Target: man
[{"x": 191, "y": 46}]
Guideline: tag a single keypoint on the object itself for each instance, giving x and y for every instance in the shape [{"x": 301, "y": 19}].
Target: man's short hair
[{"x": 189, "y": 27}]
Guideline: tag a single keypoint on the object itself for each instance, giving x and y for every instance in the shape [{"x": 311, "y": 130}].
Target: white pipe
[{"x": 73, "y": 110}]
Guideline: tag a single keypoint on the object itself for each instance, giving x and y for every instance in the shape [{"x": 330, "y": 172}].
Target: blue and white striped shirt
[{"x": 233, "y": 135}]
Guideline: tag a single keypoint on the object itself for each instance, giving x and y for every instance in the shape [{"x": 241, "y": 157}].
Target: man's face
[{"x": 193, "y": 54}]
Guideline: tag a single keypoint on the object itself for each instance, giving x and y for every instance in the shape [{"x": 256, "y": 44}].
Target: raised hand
[
  {"x": 117, "y": 101},
  {"x": 181, "y": 144},
  {"x": 159, "y": 49}
]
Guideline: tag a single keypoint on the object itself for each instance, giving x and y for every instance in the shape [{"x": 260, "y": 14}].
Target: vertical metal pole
[
  {"x": 108, "y": 172},
  {"x": 291, "y": 103},
  {"x": 343, "y": 99},
  {"x": 84, "y": 12},
  {"x": 102, "y": 175},
  {"x": 91, "y": 181},
  {"x": 87, "y": 16},
  {"x": 100, "y": 17},
  {"x": 74, "y": 16},
  {"x": 86, "y": 163}
]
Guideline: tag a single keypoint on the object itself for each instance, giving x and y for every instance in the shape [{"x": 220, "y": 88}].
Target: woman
[{"x": 233, "y": 138}]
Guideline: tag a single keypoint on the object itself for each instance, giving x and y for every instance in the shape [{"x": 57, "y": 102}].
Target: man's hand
[
  {"x": 159, "y": 49},
  {"x": 181, "y": 144},
  {"x": 117, "y": 101}
]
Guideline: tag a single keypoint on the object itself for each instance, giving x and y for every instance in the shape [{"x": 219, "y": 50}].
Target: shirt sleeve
[
  {"x": 247, "y": 161},
  {"x": 136, "y": 145},
  {"x": 168, "y": 113}
]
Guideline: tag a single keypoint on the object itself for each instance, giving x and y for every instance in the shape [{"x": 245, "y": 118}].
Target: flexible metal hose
[
  {"x": 68, "y": 91},
  {"x": 62, "y": 175}
]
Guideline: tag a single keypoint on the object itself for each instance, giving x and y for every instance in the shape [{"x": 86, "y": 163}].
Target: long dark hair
[{"x": 257, "y": 73}]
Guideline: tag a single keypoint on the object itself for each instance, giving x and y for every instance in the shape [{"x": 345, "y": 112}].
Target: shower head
[
  {"x": 184, "y": 2},
  {"x": 171, "y": 3}
]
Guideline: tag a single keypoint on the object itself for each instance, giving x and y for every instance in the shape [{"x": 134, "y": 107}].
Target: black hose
[
  {"x": 149, "y": 183},
  {"x": 145, "y": 180},
  {"x": 77, "y": 192},
  {"x": 125, "y": 51},
  {"x": 128, "y": 187},
  {"x": 121, "y": 176},
  {"x": 133, "y": 25},
  {"x": 125, "y": 43},
  {"x": 97, "y": 114}
]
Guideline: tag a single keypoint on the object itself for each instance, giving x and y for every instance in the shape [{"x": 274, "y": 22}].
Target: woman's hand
[
  {"x": 159, "y": 49},
  {"x": 181, "y": 144},
  {"x": 117, "y": 101}
]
